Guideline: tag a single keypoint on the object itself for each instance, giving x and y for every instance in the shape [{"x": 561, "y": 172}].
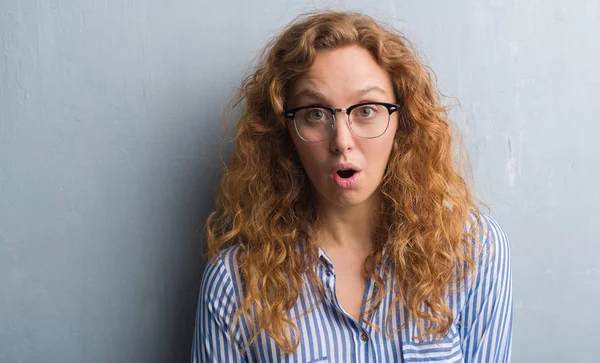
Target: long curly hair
[{"x": 265, "y": 202}]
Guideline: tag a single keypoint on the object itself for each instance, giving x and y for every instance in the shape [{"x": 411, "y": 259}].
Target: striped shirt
[{"x": 481, "y": 330}]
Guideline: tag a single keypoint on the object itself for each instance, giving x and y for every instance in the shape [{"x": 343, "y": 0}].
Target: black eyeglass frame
[{"x": 391, "y": 107}]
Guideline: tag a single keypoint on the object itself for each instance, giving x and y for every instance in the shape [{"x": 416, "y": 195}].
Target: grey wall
[{"x": 109, "y": 129}]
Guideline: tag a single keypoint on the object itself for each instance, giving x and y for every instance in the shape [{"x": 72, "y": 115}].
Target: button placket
[{"x": 328, "y": 282}]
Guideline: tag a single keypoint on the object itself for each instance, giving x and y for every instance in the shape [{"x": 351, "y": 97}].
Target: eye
[
  {"x": 366, "y": 111},
  {"x": 315, "y": 115}
]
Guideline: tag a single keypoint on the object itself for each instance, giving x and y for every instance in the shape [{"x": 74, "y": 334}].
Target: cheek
[
  {"x": 308, "y": 154},
  {"x": 388, "y": 142},
  {"x": 311, "y": 156},
  {"x": 380, "y": 153}
]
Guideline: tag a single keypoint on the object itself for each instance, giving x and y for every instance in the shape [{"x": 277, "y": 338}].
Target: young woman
[{"x": 343, "y": 230}]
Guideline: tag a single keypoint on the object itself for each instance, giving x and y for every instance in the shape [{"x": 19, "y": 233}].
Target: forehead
[{"x": 343, "y": 75}]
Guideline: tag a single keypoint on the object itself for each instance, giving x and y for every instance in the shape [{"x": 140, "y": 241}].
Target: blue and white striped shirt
[{"x": 481, "y": 331}]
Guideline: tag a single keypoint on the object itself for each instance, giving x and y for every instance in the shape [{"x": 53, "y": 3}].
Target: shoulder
[
  {"x": 494, "y": 243},
  {"x": 491, "y": 257},
  {"x": 220, "y": 280}
]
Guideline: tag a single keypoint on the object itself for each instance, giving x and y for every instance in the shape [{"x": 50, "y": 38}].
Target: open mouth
[{"x": 345, "y": 174}]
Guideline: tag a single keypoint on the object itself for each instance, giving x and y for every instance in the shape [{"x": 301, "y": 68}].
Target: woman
[{"x": 343, "y": 231}]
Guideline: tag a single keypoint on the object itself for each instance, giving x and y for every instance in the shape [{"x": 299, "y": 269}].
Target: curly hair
[{"x": 265, "y": 202}]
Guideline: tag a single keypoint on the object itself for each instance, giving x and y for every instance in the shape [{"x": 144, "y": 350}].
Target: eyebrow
[{"x": 317, "y": 96}]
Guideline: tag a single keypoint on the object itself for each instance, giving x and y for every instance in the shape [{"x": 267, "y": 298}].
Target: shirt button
[{"x": 364, "y": 337}]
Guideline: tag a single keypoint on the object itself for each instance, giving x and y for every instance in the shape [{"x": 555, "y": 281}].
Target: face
[{"x": 341, "y": 78}]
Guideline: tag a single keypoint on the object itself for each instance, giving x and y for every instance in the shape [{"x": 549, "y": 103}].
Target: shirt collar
[
  {"x": 324, "y": 258},
  {"x": 385, "y": 258}
]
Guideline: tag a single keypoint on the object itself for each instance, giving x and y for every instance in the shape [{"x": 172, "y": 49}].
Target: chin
[{"x": 348, "y": 198}]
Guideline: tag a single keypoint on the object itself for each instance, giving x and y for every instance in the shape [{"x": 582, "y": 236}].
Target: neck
[{"x": 349, "y": 227}]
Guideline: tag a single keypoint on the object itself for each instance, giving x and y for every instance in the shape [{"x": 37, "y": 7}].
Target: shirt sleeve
[
  {"x": 217, "y": 305},
  {"x": 486, "y": 318}
]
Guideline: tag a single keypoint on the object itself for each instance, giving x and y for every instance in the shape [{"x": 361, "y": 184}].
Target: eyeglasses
[{"x": 367, "y": 120}]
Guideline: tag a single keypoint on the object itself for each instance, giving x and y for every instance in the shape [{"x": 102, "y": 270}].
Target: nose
[{"x": 342, "y": 138}]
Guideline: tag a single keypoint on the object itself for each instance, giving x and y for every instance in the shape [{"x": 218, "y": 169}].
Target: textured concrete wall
[{"x": 109, "y": 131}]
